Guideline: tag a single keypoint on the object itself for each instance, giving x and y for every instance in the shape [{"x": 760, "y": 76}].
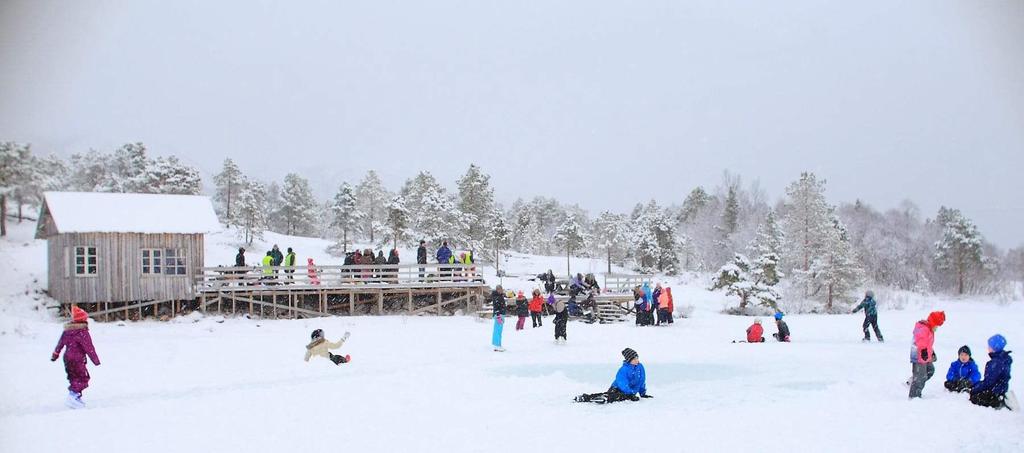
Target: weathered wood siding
[{"x": 119, "y": 275}]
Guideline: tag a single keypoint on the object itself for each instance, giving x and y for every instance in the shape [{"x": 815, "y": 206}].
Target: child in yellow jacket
[{"x": 319, "y": 346}]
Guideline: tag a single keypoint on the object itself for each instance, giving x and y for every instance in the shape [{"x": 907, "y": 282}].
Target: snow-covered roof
[{"x": 95, "y": 212}]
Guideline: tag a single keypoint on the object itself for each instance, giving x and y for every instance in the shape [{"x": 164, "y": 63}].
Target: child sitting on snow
[
  {"x": 755, "y": 333},
  {"x": 963, "y": 372},
  {"x": 783, "y": 334},
  {"x": 991, "y": 391},
  {"x": 629, "y": 381},
  {"x": 319, "y": 346},
  {"x": 78, "y": 342}
]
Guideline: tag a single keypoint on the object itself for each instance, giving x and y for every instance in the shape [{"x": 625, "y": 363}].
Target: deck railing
[{"x": 213, "y": 279}]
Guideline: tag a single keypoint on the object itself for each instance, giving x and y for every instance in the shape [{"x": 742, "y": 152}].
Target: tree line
[{"x": 823, "y": 252}]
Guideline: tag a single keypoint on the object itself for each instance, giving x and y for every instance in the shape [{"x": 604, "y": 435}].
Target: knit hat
[
  {"x": 936, "y": 318},
  {"x": 79, "y": 315},
  {"x": 870, "y": 294},
  {"x": 317, "y": 334},
  {"x": 778, "y": 315},
  {"x": 997, "y": 342},
  {"x": 757, "y": 320},
  {"x": 964, "y": 350},
  {"x": 520, "y": 294},
  {"x": 629, "y": 354}
]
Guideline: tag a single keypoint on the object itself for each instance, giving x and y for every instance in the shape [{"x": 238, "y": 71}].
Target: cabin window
[
  {"x": 174, "y": 262},
  {"x": 85, "y": 261},
  {"x": 152, "y": 261},
  {"x": 163, "y": 261}
]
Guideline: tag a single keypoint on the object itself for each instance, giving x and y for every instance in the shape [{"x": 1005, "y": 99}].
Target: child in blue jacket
[
  {"x": 630, "y": 381},
  {"x": 991, "y": 391},
  {"x": 963, "y": 373}
]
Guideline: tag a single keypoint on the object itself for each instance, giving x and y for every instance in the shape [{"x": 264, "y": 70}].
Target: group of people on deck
[{"x": 274, "y": 259}]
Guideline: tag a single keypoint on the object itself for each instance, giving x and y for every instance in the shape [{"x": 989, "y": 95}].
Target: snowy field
[{"x": 433, "y": 383}]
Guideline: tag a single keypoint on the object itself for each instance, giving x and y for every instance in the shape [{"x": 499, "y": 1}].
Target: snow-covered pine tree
[
  {"x": 434, "y": 223},
  {"x": 372, "y": 198},
  {"x": 745, "y": 280},
  {"x": 807, "y": 224},
  {"x": 960, "y": 248},
  {"x": 731, "y": 213},
  {"x": 168, "y": 175},
  {"x": 476, "y": 205},
  {"x": 229, "y": 183},
  {"x": 415, "y": 190},
  {"x": 127, "y": 171},
  {"x": 835, "y": 269},
  {"x": 611, "y": 234},
  {"x": 397, "y": 223},
  {"x": 15, "y": 173},
  {"x": 769, "y": 239},
  {"x": 251, "y": 210},
  {"x": 500, "y": 235},
  {"x": 569, "y": 236},
  {"x": 298, "y": 206},
  {"x": 87, "y": 170},
  {"x": 274, "y": 203},
  {"x": 695, "y": 202},
  {"x": 346, "y": 216}
]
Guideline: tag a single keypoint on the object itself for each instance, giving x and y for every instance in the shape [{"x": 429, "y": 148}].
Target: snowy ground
[{"x": 433, "y": 384}]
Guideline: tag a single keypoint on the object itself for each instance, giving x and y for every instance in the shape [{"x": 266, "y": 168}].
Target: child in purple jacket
[{"x": 76, "y": 338}]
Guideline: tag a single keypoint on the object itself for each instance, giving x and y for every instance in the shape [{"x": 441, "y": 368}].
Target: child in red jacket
[
  {"x": 755, "y": 333},
  {"x": 79, "y": 345}
]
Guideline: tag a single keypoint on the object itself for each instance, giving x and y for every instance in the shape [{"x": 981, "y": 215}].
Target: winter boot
[
  {"x": 499, "y": 349},
  {"x": 1010, "y": 401},
  {"x": 74, "y": 400},
  {"x": 340, "y": 359}
]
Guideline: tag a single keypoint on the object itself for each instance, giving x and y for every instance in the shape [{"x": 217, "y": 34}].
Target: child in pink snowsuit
[
  {"x": 79, "y": 345},
  {"x": 314, "y": 278}
]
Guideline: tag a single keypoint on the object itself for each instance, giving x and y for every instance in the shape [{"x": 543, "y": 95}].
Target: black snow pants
[{"x": 872, "y": 321}]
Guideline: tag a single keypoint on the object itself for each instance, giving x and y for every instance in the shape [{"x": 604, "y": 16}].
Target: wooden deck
[{"x": 341, "y": 290}]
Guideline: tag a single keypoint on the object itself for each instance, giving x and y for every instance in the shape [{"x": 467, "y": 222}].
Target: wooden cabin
[{"x": 124, "y": 247}]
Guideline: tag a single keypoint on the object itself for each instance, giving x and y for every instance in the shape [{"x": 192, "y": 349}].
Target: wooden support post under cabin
[
  {"x": 380, "y": 302},
  {"x": 438, "y": 301},
  {"x": 410, "y": 301}
]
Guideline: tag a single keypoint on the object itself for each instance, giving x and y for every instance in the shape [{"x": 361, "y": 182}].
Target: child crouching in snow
[
  {"x": 963, "y": 372},
  {"x": 319, "y": 346},
  {"x": 992, "y": 391},
  {"x": 629, "y": 381},
  {"x": 783, "y": 334},
  {"x": 78, "y": 342}
]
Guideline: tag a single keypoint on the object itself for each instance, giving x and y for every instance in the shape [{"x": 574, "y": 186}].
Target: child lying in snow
[
  {"x": 629, "y": 381},
  {"x": 319, "y": 346}
]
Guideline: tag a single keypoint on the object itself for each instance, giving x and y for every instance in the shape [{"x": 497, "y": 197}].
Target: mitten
[
  {"x": 53, "y": 358},
  {"x": 924, "y": 355}
]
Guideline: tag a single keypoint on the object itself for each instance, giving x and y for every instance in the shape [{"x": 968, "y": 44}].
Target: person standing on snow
[
  {"x": 561, "y": 321},
  {"x": 78, "y": 342},
  {"x": 536, "y": 307},
  {"x": 870, "y": 315},
  {"x": 992, "y": 391},
  {"x": 522, "y": 310},
  {"x": 498, "y": 310},
  {"x": 656, "y": 304},
  {"x": 630, "y": 381},
  {"x": 922, "y": 356}
]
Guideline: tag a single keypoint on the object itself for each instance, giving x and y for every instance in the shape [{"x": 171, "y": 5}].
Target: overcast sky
[{"x": 599, "y": 103}]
